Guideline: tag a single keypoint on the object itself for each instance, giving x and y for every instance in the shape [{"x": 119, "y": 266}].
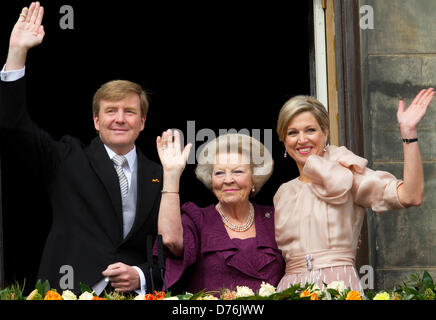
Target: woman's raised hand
[
  {"x": 410, "y": 118},
  {"x": 172, "y": 158},
  {"x": 411, "y": 192}
]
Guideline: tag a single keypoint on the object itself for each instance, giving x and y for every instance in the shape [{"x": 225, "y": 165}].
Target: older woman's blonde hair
[
  {"x": 251, "y": 150},
  {"x": 300, "y": 104}
]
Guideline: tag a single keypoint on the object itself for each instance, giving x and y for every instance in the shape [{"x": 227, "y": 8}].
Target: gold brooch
[{"x": 154, "y": 180}]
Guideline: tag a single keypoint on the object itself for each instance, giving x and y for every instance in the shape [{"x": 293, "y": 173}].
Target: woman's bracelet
[
  {"x": 407, "y": 141},
  {"x": 165, "y": 191}
]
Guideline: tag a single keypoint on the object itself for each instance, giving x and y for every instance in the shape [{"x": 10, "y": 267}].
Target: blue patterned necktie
[{"x": 124, "y": 184}]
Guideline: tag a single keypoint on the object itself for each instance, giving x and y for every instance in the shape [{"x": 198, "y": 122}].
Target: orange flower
[
  {"x": 304, "y": 294},
  {"x": 313, "y": 296},
  {"x": 149, "y": 296},
  {"x": 159, "y": 295},
  {"x": 353, "y": 295},
  {"x": 98, "y": 298},
  {"x": 52, "y": 295}
]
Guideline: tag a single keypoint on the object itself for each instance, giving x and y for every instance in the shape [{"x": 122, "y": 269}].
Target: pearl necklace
[{"x": 240, "y": 228}]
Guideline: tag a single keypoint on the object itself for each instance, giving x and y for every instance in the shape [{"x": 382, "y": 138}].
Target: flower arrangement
[{"x": 417, "y": 287}]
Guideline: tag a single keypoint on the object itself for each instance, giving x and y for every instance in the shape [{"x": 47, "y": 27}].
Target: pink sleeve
[
  {"x": 377, "y": 190},
  {"x": 341, "y": 171},
  {"x": 373, "y": 189},
  {"x": 330, "y": 181}
]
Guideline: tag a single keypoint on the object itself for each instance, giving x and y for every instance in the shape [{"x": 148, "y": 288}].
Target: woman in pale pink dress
[{"x": 318, "y": 216}]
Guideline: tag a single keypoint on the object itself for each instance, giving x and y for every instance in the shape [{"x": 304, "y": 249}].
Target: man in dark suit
[{"x": 105, "y": 197}]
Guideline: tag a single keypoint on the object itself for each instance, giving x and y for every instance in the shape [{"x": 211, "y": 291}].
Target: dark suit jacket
[{"x": 86, "y": 231}]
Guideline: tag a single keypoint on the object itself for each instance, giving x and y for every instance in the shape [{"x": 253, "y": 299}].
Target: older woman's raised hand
[
  {"x": 172, "y": 158},
  {"x": 410, "y": 118}
]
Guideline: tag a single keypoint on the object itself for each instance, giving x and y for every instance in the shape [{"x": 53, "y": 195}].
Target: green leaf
[
  {"x": 370, "y": 294},
  {"x": 13, "y": 292},
  {"x": 85, "y": 288},
  {"x": 106, "y": 295},
  {"x": 185, "y": 296},
  {"x": 197, "y": 295},
  {"x": 42, "y": 287},
  {"x": 334, "y": 293},
  {"x": 292, "y": 293},
  {"x": 427, "y": 281},
  {"x": 409, "y": 290},
  {"x": 276, "y": 296},
  {"x": 252, "y": 298}
]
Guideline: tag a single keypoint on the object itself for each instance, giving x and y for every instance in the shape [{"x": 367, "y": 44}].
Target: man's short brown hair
[{"x": 117, "y": 90}]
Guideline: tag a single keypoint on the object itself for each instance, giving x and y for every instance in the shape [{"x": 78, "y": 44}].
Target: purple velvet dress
[{"x": 212, "y": 261}]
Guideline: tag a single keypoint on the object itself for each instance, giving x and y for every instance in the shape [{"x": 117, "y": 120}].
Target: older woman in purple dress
[{"x": 227, "y": 244}]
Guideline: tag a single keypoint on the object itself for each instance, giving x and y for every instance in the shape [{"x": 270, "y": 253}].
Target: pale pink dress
[{"x": 317, "y": 224}]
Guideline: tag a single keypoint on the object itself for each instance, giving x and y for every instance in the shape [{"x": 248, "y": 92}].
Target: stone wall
[{"x": 399, "y": 59}]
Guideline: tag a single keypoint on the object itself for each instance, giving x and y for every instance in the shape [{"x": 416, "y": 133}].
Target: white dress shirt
[{"x": 11, "y": 75}]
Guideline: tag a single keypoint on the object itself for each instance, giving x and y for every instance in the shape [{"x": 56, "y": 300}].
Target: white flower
[
  {"x": 68, "y": 295},
  {"x": 171, "y": 298},
  {"x": 266, "y": 289},
  {"x": 140, "y": 297},
  {"x": 243, "y": 291},
  {"x": 86, "y": 296},
  {"x": 337, "y": 285},
  {"x": 208, "y": 297}
]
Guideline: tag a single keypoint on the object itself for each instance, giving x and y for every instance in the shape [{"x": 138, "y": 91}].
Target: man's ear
[
  {"x": 96, "y": 122},
  {"x": 143, "y": 122}
]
